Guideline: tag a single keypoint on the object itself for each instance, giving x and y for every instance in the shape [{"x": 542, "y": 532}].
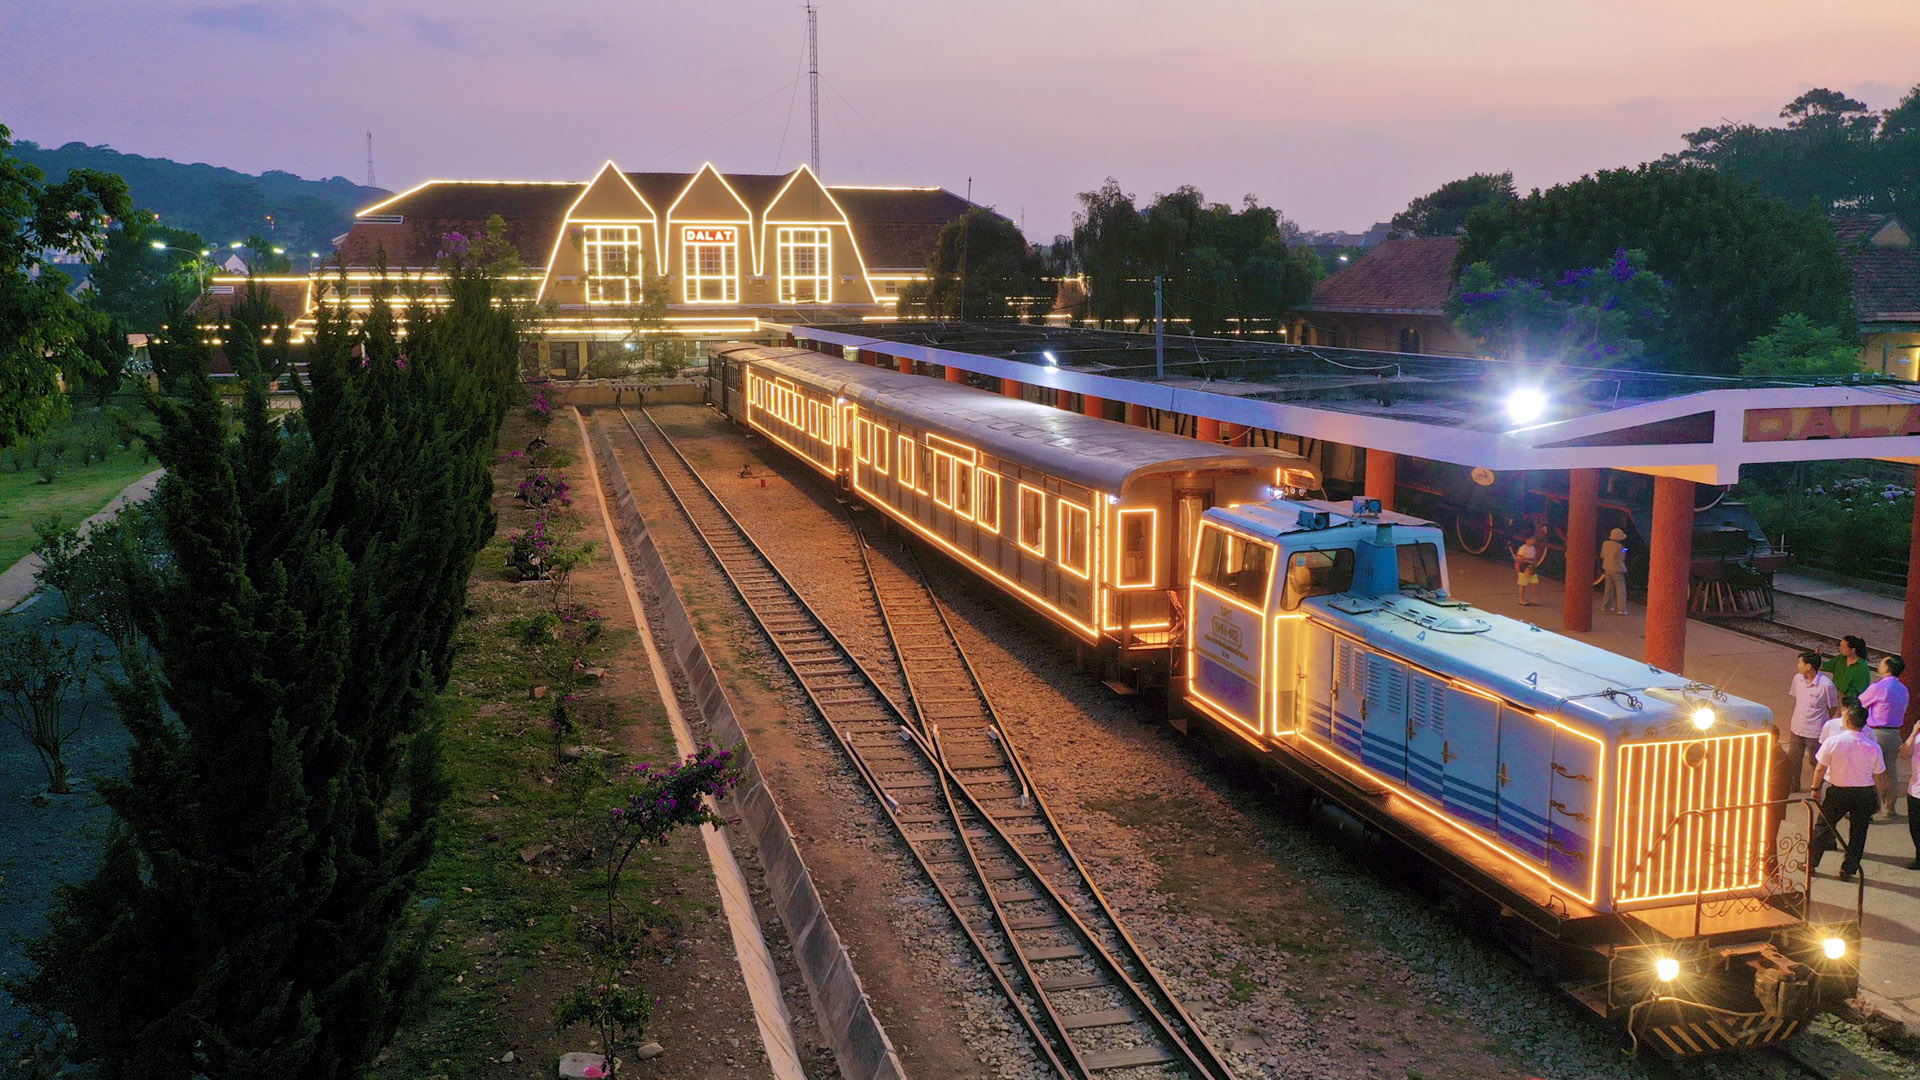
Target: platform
[{"x": 1757, "y": 670}]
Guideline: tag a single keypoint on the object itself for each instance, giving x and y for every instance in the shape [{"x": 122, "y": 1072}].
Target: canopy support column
[
  {"x": 1910, "y": 634},
  {"x": 1669, "y": 572},
  {"x": 1010, "y": 388},
  {"x": 1583, "y": 523},
  {"x": 956, "y": 375},
  {"x": 903, "y": 365},
  {"x": 1093, "y": 406},
  {"x": 1206, "y": 429},
  {"x": 1383, "y": 468}
]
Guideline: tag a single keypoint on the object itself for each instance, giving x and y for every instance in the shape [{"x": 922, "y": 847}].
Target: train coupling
[{"x": 1786, "y": 988}]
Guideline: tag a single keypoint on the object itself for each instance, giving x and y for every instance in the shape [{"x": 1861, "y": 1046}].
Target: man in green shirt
[{"x": 1849, "y": 670}]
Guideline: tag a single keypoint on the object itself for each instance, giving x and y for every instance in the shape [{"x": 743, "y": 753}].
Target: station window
[
  {"x": 806, "y": 265},
  {"x": 709, "y": 270},
  {"x": 1419, "y": 566},
  {"x": 1033, "y": 520},
  {"x": 1316, "y": 573},
  {"x": 1236, "y": 566},
  {"x": 908, "y": 460},
  {"x": 1137, "y": 544},
  {"x": 987, "y": 506},
  {"x": 613, "y": 264},
  {"x": 1074, "y": 530}
]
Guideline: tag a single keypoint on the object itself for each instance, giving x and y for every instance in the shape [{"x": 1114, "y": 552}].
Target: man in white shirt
[
  {"x": 1851, "y": 760},
  {"x": 1885, "y": 700},
  {"x": 1814, "y": 701}
]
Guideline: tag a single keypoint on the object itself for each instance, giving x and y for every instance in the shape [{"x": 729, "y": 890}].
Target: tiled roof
[
  {"x": 1857, "y": 228},
  {"x": 896, "y": 227},
  {"x": 1412, "y": 276},
  {"x": 287, "y": 293},
  {"x": 1886, "y": 276}
]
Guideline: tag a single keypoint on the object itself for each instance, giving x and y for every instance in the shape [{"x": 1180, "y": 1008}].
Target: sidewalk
[
  {"x": 1758, "y": 670},
  {"x": 16, "y": 581}
]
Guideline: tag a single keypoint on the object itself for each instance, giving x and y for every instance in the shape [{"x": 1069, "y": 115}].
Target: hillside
[{"x": 220, "y": 204}]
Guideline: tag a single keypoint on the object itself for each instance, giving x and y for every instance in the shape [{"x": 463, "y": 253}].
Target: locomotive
[{"x": 1618, "y": 823}]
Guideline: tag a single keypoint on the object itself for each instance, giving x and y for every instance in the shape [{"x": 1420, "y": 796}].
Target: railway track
[
  {"x": 1787, "y": 634},
  {"x": 956, "y": 793}
]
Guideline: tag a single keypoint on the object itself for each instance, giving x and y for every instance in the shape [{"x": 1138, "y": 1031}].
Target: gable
[
  {"x": 611, "y": 197},
  {"x": 709, "y": 198},
  {"x": 804, "y": 199}
]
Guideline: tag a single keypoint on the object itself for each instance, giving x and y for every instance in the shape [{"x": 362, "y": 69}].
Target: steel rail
[
  {"x": 950, "y": 667},
  {"x": 862, "y": 716}
]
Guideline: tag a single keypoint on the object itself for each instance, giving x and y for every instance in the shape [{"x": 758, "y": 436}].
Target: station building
[{"x": 734, "y": 251}]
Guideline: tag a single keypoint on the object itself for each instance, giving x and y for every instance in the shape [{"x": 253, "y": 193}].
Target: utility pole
[
  {"x": 1159, "y": 335},
  {"x": 965, "y": 220},
  {"x": 370, "y": 182},
  {"x": 813, "y": 79}
]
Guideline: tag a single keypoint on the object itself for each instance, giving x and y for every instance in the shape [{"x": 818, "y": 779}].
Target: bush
[
  {"x": 48, "y": 463},
  {"x": 1832, "y": 517}
]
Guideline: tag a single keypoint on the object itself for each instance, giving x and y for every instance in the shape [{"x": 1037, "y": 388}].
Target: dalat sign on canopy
[
  {"x": 1832, "y": 422},
  {"x": 711, "y": 234}
]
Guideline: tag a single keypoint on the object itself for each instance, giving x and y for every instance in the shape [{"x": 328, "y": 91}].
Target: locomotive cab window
[
  {"x": 1316, "y": 573},
  {"x": 1419, "y": 566},
  {"x": 1235, "y": 566}
]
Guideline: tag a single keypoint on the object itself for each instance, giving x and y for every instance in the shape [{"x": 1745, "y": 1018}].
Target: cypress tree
[{"x": 252, "y": 916}]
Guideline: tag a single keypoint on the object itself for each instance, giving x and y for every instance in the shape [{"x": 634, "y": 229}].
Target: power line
[
  {"x": 780, "y": 153},
  {"x": 835, "y": 91}
]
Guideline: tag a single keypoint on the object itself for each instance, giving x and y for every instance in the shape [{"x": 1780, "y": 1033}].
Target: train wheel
[{"x": 1474, "y": 530}]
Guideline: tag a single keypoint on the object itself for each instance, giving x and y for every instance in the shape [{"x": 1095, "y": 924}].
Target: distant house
[
  {"x": 232, "y": 264},
  {"x": 1885, "y": 265},
  {"x": 1392, "y": 299}
]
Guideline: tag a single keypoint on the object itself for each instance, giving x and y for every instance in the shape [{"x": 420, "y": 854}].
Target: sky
[{"x": 1337, "y": 112}]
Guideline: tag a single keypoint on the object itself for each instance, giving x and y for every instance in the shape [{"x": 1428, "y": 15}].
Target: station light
[
  {"x": 235, "y": 245},
  {"x": 1667, "y": 968},
  {"x": 1051, "y": 359},
  {"x": 1702, "y": 718},
  {"x": 279, "y": 251},
  {"x": 1834, "y": 947},
  {"x": 1525, "y": 404},
  {"x": 157, "y": 246}
]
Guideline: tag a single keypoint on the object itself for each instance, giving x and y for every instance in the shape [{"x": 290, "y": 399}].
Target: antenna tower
[
  {"x": 370, "y": 182},
  {"x": 813, "y": 79}
]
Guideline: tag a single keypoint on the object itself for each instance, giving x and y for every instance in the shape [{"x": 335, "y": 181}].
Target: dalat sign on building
[
  {"x": 1832, "y": 422},
  {"x": 707, "y": 234}
]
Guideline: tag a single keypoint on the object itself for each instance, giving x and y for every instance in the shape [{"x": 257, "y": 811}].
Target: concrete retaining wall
[
  {"x": 602, "y": 392},
  {"x": 846, "y": 1017}
]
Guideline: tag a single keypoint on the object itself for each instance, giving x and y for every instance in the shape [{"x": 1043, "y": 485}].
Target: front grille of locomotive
[{"x": 1690, "y": 820}]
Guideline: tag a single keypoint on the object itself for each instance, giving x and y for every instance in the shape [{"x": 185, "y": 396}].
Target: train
[{"x": 1620, "y": 825}]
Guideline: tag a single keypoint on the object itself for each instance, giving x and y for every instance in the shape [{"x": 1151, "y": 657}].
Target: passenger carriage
[{"x": 1084, "y": 520}]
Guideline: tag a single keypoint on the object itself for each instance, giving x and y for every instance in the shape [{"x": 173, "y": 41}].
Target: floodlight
[
  {"x": 1047, "y": 354},
  {"x": 279, "y": 251},
  {"x": 157, "y": 245},
  {"x": 1525, "y": 404},
  {"x": 1702, "y": 718},
  {"x": 1667, "y": 968},
  {"x": 1834, "y": 947}
]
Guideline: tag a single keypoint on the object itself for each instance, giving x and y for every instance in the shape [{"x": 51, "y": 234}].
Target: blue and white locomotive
[{"x": 1618, "y": 818}]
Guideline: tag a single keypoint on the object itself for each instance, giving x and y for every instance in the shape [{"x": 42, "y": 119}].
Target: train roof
[{"x": 1102, "y": 455}]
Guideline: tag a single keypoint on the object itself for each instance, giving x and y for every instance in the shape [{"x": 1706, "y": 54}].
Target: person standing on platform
[
  {"x": 1814, "y": 700},
  {"x": 1526, "y": 562},
  {"x": 1851, "y": 674},
  {"x": 1911, "y": 751},
  {"x": 1853, "y": 763},
  {"x": 1886, "y": 704},
  {"x": 1613, "y": 573}
]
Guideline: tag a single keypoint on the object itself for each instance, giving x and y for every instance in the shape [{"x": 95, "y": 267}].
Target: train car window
[
  {"x": 963, "y": 488},
  {"x": 943, "y": 479},
  {"x": 987, "y": 508},
  {"x": 880, "y": 449},
  {"x": 1136, "y": 548},
  {"x": 1419, "y": 566},
  {"x": 1033, "y": 520},
  {"x": 813, "y": 419},
  {"x": 1232, "y": 565},
  {"x": 907, "y": 461},
  {"x": 1316, "y": 573},
  {"x": 863, "y": 442},
  {"x": 1074, "y": 528}
]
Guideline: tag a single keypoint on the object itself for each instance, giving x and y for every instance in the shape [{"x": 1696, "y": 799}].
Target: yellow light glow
[
  {"x": 1033, "y": 510},
  {"x": 1834, "y": 948},
  {"x": 1667, "y": 968},
  {"x": 1152, "y": 514},
  {"x": 804, "y": 270},
  {"x": 1729, "y": 771},
  {"x": 1073, "y": 557},
  {"x": 1702, "y": 718},
  {"x": 424, "y": 184}
]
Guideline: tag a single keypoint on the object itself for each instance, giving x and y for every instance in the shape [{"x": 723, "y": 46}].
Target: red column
[
  {"x": 1010, "y": 388},
  {"x": 956, "y": 375},
  {"x": 1207, "y": 429},
  {"x": 1136, "y": 414},
  {"x": 1383, "y": 468},
  {"x": 1583, "y": 543},
  {"x": 904, "y": 365},
  {"x": 1910, "y": 636},
  {"x": 1669, "y": 572},
  {"x": 1093, "y": 406}
]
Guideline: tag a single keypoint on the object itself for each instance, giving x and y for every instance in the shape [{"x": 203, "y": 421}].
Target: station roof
[{"x": 1445, "y": 408}]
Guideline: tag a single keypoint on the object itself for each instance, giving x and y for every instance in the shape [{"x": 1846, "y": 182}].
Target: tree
[
  {"x": 981, "y": 267},
  {"x": 1595, "y": 317},
  {"x": 265, "y": 257},
  {"x": 253, "y": 915},
  {"x": 43, "y": 329},
  {"x": 1738, "y": 259},
  {"x": 138, "y": 283},
  {"x": 1444, "y": 211},
  {"x": 1800, "y": 348},
  {"x": 44, "y": 684}
]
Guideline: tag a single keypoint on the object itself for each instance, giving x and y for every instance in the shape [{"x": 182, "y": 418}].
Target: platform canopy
[{"x": 1501, "y": 415}]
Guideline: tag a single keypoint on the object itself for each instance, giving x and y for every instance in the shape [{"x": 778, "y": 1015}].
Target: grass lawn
[{"x": 76, "y": 493}]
